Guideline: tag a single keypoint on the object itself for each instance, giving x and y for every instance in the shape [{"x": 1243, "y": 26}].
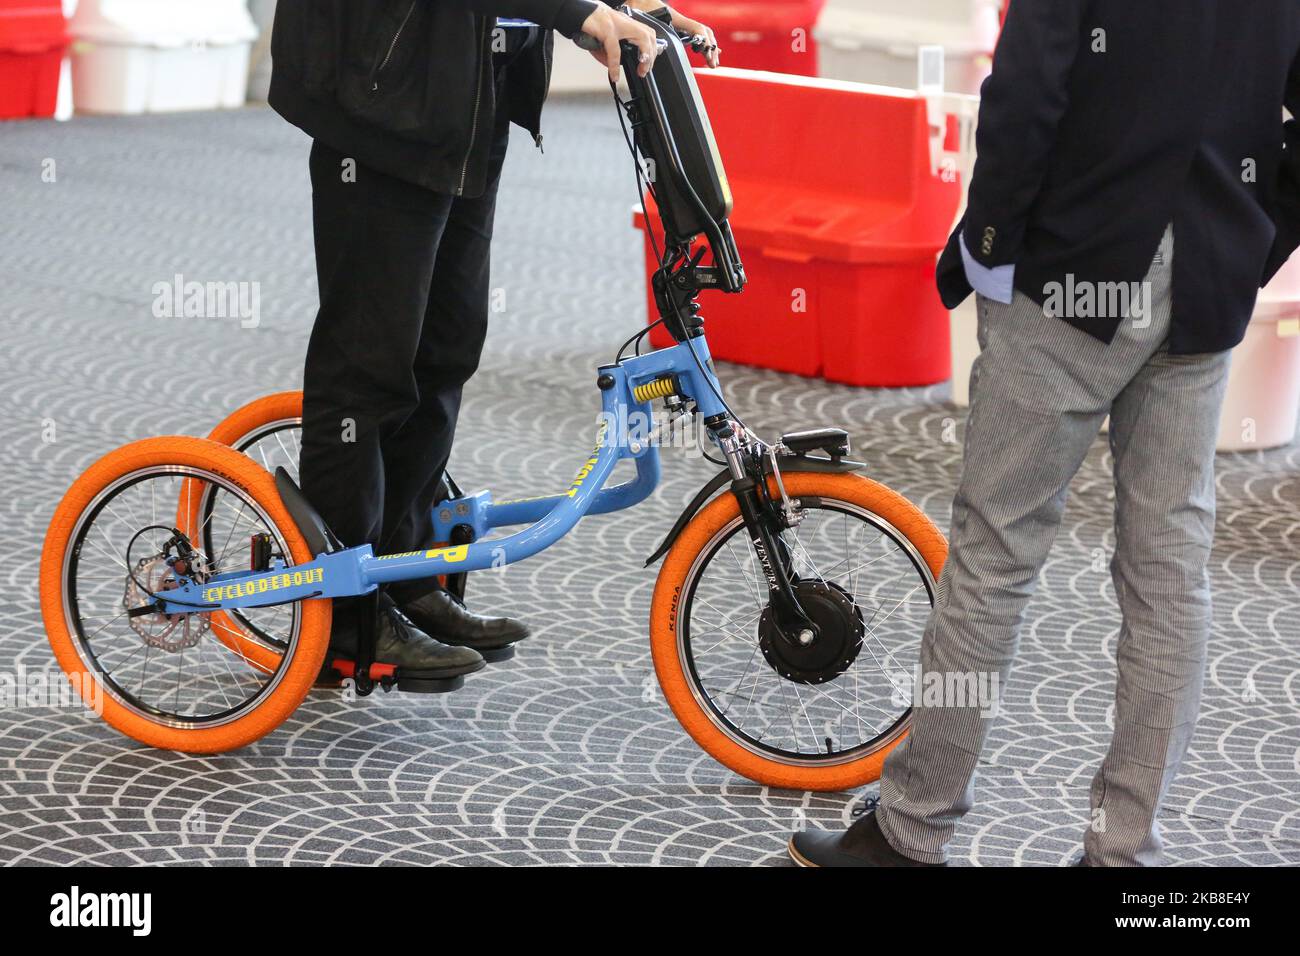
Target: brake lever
[{"x": 696, "y": 41}]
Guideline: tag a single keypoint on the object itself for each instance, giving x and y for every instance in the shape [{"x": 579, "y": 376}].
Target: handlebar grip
[
  {"x": 588, "y": 42},
  {"x": 695, "y": 41}
]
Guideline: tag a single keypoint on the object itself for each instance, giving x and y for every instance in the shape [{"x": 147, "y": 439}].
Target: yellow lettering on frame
[
  {"x": 275, "y": 582},
  {"x": 450, "y": 555}
]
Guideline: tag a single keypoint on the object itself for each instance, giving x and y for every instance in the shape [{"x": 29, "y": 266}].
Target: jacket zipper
[
  {"x": 546, "y": 87},
  {"x": 392, "y": 47},
  {"x": 478, "y": 95}
]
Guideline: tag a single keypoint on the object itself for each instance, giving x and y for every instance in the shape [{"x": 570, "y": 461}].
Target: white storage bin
[
  {"x": 153, "y": 56},
  {"x": 259, "y": 69},
  {"x": 874, "y": 41},
  {"x": 574, "y": 70},
  {"x": 951, "y": 11},
  {"x": 1262, "y": 406}
]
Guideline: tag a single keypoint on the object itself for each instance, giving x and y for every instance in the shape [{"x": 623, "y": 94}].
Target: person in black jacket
[
  {"x": 1134, "y": 188},
  {"x": 409, "y": 103}
]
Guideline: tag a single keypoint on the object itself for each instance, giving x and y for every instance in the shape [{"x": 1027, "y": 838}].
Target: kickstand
[{"x": 367, "y": 634}]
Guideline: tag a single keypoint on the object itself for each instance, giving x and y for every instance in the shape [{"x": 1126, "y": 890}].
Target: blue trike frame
[
  {"x": 685, "y": 370},
  {"x": 623, "y": 432}
]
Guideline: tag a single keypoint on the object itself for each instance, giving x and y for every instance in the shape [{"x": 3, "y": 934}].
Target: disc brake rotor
[{"x": 167, "y": 632}]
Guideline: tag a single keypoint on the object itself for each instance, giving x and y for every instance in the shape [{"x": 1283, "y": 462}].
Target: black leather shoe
[
  {"x": 438, "y": 612},
  {"x": 1081, "y": 860},
  {"x": 402, "y": 645},
  {"x": 860, "y": 845}
]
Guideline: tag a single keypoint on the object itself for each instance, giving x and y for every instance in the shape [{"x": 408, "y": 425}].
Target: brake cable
[{"x": 185, "y": 553}]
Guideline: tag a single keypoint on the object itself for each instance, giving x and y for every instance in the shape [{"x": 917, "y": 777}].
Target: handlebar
[{"x": 694, "y": 41}]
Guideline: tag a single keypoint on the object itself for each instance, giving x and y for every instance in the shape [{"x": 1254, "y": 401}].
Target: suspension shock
[
  {"x": 748, "y": 484},
  {"x": 661, "y": 387}
]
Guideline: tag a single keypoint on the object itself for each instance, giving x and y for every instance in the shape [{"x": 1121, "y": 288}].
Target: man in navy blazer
[
  {"x": 1103, "y": 122},
  {"x": 1135, "y": 186}
]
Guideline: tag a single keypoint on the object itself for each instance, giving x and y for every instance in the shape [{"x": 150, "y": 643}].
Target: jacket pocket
[
  {"x": 397, "y": 41},
  {"x": 415, "y": 76},
  {"x": 383, "y": 84}
]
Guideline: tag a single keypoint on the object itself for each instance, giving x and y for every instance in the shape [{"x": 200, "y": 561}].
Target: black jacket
[
  {"x": 1105, "y": 120},
  {"x": 406, "y": 86}
]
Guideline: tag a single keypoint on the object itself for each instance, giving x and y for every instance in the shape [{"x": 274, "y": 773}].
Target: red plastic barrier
[
  {"x": 33, "y": 38},
  {"x": 839, "y": 223},
  {"x": 774, "y": 35}
]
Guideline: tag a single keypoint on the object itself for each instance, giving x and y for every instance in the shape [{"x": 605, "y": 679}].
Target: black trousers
[{"x": 403, "y": 275}]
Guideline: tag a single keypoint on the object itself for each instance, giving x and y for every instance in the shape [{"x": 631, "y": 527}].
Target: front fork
[{"x": 764, "y": 520}]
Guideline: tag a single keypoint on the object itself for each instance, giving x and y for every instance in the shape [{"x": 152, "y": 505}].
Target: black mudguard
[
  {"x": 320, "y": 539},
  {"x": 723, "y": 478}
]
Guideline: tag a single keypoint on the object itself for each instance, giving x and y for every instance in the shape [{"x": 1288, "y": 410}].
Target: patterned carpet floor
[{"x": 567, "y": 754}]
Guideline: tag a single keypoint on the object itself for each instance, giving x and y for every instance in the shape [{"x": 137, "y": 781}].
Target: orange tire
[
  {"x": 233, "y": 430},
  {"x": 871, "y": 496},
  {"x": 313, "y": 638},
  {"x": 257, "y": 414}
]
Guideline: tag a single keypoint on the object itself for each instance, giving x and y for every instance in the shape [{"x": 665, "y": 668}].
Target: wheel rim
[
  {"x": 742, "y": 694},
  {"x": 221, "y": 684}
]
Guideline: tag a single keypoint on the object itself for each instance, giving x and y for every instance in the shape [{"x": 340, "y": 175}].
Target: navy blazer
[{"x": 1105, "y": 120}]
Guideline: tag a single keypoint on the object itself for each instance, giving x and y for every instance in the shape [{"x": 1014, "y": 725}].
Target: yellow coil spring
[{"x": 659, "y": 388}]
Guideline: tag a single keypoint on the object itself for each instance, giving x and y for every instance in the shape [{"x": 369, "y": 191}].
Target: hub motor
[{"x": 809, "y": 659}]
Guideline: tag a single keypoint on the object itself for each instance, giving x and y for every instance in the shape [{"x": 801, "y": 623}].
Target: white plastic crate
[
  {"x": 153, "y": 56},
  {"x": 878, "y": 41},
  {"x": 1262, "y": 407},
  {"x": 259, "y": 70},
  {"x": 574, "y": 70}
]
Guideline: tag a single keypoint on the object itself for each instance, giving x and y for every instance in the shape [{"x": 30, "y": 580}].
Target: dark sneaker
[
  {"x": 404, "y": 649},
  {"x": 438, "y": 612},
  {"x": 860, "y": 845}
]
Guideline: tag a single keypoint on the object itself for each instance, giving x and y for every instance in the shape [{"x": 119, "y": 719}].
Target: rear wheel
[
  {"x": 268, "y": 430},
  {"x": 864, "y": 562},
  {"x": 174, "y": 681}
]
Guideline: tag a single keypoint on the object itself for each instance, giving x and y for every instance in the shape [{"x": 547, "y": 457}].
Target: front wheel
[{"x": 863, "y": 561}]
